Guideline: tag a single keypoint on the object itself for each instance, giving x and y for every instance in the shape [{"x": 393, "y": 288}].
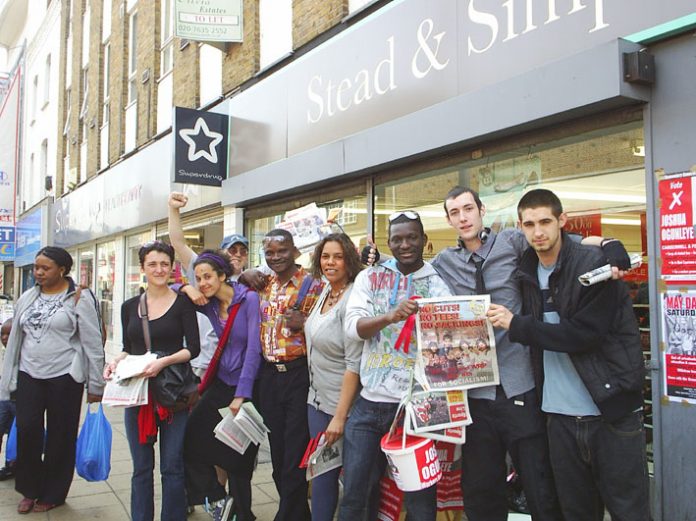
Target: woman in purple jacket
[{"x": 230, "y": 386}]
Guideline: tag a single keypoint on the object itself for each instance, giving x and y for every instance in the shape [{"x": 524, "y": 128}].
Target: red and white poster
[
  {"x": 677, "y": 234},
  {"x": 679, "y": 340}
]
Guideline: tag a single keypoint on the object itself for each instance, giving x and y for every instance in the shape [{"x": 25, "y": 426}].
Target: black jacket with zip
[{"x": 597, "y": 328}]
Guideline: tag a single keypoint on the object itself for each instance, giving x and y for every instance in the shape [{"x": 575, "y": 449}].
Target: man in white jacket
[{"x": 379, "y": 304}]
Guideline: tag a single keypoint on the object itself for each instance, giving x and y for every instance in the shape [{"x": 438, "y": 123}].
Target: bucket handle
[{"x": 392, "y": 429}]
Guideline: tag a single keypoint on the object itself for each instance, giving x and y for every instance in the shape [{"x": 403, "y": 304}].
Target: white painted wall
[{"x": 41, "y": 123}]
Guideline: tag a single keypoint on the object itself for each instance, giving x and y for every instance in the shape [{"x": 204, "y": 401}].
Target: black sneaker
[{"x": 7, "y": 472}]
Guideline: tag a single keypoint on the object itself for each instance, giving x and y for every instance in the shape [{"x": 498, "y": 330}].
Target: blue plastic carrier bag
[
  {"x": 93, "y": 457},
  {"x": 11, "y": 447}
]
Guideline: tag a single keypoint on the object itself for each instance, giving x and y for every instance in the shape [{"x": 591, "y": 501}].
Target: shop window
[
  {"x": 599, "y": 176},
  {"x": 106, "y": 269},
  {"x": 85, "y": 274},
  {"x": 134, "y": 277},
  {"x": 351, "y": 218}
]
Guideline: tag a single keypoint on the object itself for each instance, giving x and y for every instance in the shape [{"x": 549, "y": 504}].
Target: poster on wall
[
  {"x": 677, "y": 233},
  {"x": 679, "y": 340},
  {"x": 456, "y": 344}
]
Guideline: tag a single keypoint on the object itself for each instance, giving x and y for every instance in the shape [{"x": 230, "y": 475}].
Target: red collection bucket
[{"x": 412, "y": 461}]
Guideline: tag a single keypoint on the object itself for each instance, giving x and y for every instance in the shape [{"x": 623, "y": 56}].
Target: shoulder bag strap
[
  {"x": 142, "y": 307},
  {"x": 211, "y": 372},
  {"x": 304, "y": 289}
]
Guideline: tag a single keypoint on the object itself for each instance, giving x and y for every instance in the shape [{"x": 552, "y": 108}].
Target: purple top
[{"x": 241, "y": 359}]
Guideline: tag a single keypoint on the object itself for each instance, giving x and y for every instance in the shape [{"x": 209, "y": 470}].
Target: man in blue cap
[{"x": 236, "y": 245}]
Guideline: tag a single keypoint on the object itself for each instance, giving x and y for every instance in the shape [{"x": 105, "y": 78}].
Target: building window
[
  {"x": 106, "y": 79},
  {"x": 210, "y": 63},
  {"x": 34, "y": 96},
  {"x": 47, "y": 80},
  {"x": 167, "y": 37},
  {"x": 106, "y": 20},
  {"x": 85, "y": 101},
  {"x": 85, "y": 36},
  {"x": 68, "y": 108},
  {"x": 44, "y": 159},
  {"x": 275, "y": 23},
  {"x": 132, "y": 57},
  {"x": 68, "y": 50},
  {"x": 355, "y": 5}
]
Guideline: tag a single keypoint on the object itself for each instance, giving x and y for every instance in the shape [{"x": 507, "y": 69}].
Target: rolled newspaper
[{"x": 604, "y": 272}]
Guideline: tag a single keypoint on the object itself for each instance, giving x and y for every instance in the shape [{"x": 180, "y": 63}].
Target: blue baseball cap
[{"x": 233, "y": 239}]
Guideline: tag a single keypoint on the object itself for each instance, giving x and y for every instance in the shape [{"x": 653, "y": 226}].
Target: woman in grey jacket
[{"x": 55, "y": 347}]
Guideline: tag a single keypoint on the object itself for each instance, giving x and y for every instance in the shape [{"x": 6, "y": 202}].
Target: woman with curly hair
[{"x": 334, "y": 362}]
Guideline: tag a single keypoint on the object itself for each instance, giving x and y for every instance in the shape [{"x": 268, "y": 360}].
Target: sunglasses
[{"x": 409, "y": 214}]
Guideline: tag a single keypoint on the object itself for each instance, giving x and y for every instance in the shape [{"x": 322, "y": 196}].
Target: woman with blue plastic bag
[
  {"x": 54, "y": 349},
  {"x": 170, "y": 320}
]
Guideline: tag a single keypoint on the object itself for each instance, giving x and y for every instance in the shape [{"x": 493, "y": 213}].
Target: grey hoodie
[{"x": 88, "y": 362}]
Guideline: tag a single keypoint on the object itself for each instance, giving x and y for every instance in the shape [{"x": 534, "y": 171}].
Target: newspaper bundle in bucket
[
  {"x": 241, "y": 430},
  {"x": 438, "y": 415},
  {"x": 128, "y": 388},
  {"x": 604, "y": 272}
]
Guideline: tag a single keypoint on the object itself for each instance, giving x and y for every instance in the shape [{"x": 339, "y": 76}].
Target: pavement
[{"x": 110, "y": 500}]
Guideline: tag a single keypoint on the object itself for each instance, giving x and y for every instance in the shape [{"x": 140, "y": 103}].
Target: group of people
[{"x": 314, "y": 350}]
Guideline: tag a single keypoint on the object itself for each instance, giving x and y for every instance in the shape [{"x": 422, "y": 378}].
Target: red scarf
[{"x": 147, "y": 422}]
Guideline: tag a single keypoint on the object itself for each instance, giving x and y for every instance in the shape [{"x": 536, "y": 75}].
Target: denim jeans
[
  {"x": 324, "y": 487},
  {"x": 597, "y": 464},
  {"x": 8, "y": 410},
  {"x": 171, "y": 439},
  {"x": 364, "y": 464}
]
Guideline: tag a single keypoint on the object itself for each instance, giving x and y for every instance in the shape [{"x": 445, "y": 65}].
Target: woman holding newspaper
[
  {"x": 334, "y": 362},
  {"x": 170, "y": 319},
  {"x": 55, "y": 347},
  {"x": 233, "y": 309}
]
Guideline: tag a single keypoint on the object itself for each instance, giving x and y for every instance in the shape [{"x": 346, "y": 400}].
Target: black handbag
[{"x": 175, "y": 385}]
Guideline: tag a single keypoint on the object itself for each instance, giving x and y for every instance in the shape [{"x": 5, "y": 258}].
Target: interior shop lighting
[
  {"x": 621, "y": 221},
  {"x": 608, "y": 197}
]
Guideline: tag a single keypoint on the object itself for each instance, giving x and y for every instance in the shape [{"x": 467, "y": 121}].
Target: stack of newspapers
[
  {"x": 128, "y": 388},
  {"x": 241, "y": 430}
]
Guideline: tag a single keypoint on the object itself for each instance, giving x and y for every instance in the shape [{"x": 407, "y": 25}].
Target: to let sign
[
  {"x": 209, "y": 20},
  {"x": 200, "y": 147}
]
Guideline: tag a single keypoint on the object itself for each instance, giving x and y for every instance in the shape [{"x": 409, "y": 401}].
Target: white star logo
[{"x": 215, "y": 138}]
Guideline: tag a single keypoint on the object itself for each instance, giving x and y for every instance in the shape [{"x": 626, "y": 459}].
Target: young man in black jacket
[{"x": 588, "y": 364}]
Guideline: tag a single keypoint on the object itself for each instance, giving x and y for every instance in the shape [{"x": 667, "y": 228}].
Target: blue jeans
[
  {"x": 596, "y": 464},
  {"x": 364, "y": 464},
  {"x": 324, "y": 487},
  {"x": 171, "y": 438},
  {"x": 8, "y": 410}
]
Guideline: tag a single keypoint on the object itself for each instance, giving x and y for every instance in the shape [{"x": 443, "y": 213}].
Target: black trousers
[
  {"x": 513, "y": 425},
  {"x": 283, "y": 399},
  {"x": 598, "y": 464},
  {"x": 47, "y": 479},
  {"x": 202, "y": 451}
]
